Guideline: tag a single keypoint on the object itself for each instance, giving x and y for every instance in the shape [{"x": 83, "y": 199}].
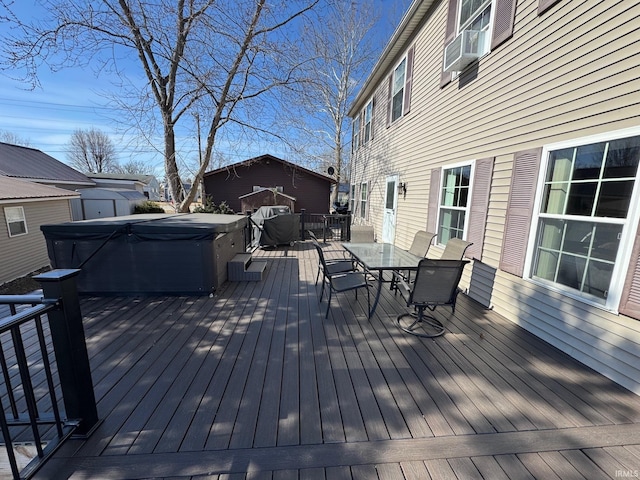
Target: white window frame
[
  {"x": 364, "y": 201},
  {"x": 23, "y": 219},
  {"x": 487, "y": 29},
  {"x": 367, "y": 116},
  {"x": 399, "y": 91},
  {"x": 628, "y": 235},
  {"x": 352, "y": 200},
  {"x": 467, "y": 208},
  {"x": 355, "y": 133}
]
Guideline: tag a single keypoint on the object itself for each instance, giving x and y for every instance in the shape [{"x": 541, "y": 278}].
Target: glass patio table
[{"x": 378, "y": 257}]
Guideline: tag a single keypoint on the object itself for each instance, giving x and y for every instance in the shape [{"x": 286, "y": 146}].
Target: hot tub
[{"x": 173, "y": 254}]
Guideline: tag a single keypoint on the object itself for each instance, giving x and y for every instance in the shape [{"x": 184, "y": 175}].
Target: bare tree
[
  {"x": 133, "y": 167},
  {"x": 216, "y": 57},
  {"x": 13, "y": 139},
  {"x": 343, "y": 55},
  {"x": 92, "y": 151}
]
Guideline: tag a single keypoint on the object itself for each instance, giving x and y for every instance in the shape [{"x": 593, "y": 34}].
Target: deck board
[{"x": 256, "y": 383}]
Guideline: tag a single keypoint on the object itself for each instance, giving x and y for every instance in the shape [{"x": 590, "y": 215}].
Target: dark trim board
[{"x": 351, "y": 454}]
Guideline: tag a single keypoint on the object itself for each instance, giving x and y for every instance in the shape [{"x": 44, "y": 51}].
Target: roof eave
[{"x": 399, "y": 41}]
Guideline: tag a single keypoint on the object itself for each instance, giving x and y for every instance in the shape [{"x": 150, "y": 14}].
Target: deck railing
[
  {"x": 325, "y": 226},
  {"x": 43, "y": 400}
]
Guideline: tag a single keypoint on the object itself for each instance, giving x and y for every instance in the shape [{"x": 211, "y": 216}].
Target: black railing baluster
[
  {"x": 27, "y": 386},
  {"x": 47, "y": 371},
  {"x": 7, "y": 382},
  {"x": 6, "y": 434}
]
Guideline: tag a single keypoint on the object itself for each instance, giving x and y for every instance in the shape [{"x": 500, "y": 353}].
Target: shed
[
  {"x": 148, "y": 254},
  {"x": 229, "y": 184}
]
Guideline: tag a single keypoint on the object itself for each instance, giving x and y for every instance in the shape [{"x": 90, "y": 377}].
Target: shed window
[
  {"x": 584, "y": 220},
  {"x": 16, "y": 221}
]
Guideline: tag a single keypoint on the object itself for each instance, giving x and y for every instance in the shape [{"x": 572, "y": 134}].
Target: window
[
  {"x": 494, "y": 18},
  {"x": 16, "y": 222},
  {"x": 355, "y": 138},
  {"x": 363, "y": 199},
  {"x": 397, "y": 90},
  {"x": 352, "y": 199},
  {"x": 585, "y": 218},
  {"x": 454, "y": 202},
  {"x": 367, "y": 115}
]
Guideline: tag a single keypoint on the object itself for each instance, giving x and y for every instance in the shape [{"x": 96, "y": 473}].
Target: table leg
[{"x": 378, "y": 292}]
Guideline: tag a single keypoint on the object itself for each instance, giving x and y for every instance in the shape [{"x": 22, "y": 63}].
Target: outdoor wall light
[{"x": 403, "y": 189}]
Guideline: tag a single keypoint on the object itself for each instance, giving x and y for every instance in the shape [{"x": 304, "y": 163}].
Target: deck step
[{"x": 241, "y": 268}]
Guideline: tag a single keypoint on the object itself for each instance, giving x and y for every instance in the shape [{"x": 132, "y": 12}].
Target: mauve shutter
[
  {"x": 479, "y": 207},
  {"x": 524, "y": 180},
  {"x": 408, "y": 81},
  {"x": 630, "y": 301},
  {"x": 434, "y": 195},
  {"x": 450, "y": 34},
  {"x": 503, "y": 20},
  {"x": 544, "y": 5},
  {"x": 389, "y": 101}
]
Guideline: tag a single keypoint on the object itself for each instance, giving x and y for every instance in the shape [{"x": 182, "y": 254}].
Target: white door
[{"x": 390, "y": 206}]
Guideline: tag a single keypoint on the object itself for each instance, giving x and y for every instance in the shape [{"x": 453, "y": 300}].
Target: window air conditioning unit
[{"x": 464, "y": 49}]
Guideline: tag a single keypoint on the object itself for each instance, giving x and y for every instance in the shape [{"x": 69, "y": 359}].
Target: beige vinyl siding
[
  {"x": 570, "y": 73},
  {"x": 24, "y": 254}
]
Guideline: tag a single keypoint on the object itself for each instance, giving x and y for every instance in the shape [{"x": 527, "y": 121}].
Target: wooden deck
[{"x": 254, "y": 383}]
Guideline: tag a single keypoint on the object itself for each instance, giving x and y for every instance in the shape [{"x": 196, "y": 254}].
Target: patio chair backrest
[
  {"x": 312, "y": 235},
  {"x": 436, "y": 282},
  {"x": 421, "y": 243},
  {"x": 454, "y": 249},
  {"x": 362, "y": 234},
  {"x": 318, "y": 247}
]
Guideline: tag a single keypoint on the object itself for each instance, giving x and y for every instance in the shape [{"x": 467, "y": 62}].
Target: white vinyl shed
[{"x": 105, "y": 202}]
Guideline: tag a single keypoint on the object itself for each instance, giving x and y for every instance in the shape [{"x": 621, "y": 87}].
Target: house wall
[
  {"x": 570, "y": 73},
  {"x": 24, "y": 254},
  {"x": 310, "y": 192}
]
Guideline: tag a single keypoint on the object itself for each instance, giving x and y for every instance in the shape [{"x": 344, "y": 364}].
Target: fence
[{"x": 43, "y": 400}]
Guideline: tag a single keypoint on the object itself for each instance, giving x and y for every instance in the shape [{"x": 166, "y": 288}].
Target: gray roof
[
  {"x": 146, "y": 179},
  {"x": 15, "y": 189},
  {"x": 31, "y": 164}
]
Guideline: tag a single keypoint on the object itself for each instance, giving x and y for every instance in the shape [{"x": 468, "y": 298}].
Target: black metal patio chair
[
  {"x": 435, "y": 283},
  {"x": 333, "y": 266},
  {"x": 341, "y": 281}
]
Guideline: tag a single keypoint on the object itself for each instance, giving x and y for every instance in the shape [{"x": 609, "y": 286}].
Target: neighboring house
[
  {"x": 105, "y": 202},
  {"x": 30, "y": 164},
  {"x": 24, "y": 206},
  {"x": 146, "y": 184},
  {"x": 309, "y": 189},
  {"x": 526, "y": 143}
]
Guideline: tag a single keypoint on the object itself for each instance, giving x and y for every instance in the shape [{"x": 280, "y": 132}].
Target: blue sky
[{"x": 74, "y": 99}]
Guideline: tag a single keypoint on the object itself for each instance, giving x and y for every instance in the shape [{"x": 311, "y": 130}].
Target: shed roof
[
  {"x": 267, "y": 157},
  {"x": 31, "y": 164},
  {"x": 16, "y": 189}
]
